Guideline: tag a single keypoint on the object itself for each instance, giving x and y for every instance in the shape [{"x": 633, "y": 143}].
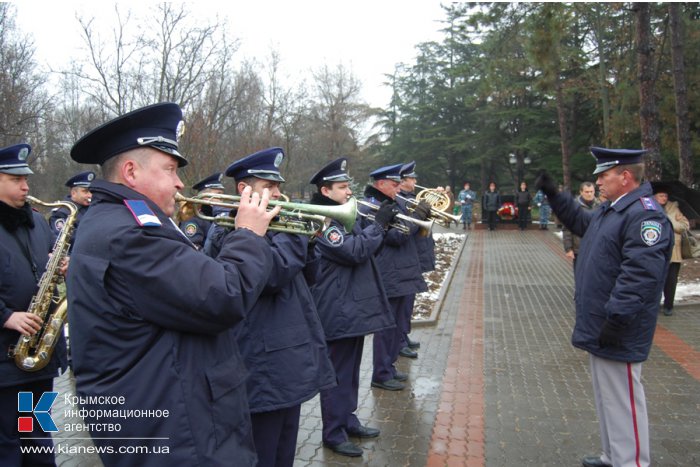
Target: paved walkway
[{"x": 497, "y": 382}]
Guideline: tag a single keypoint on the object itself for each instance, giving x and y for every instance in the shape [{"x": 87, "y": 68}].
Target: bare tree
[{"x": 23, "y": 101}]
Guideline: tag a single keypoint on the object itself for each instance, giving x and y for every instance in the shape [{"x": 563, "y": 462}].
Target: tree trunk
[
  {"x": 564, "y": 136},
  {"x": 685, "y": 156},
  {"x": 648, "y": 115}
]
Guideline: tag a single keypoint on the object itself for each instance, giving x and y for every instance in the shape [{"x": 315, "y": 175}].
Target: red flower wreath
[{"x": 507, "y": 211}]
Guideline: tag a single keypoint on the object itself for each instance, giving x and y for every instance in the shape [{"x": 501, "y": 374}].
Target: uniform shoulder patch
[
  {"x": 59, "y": 223},
  {"x": 647, "y": 203},
  {"x": 190, "y": 229},
  {"x": 651, "y": 232},
  {"x": 143, "y": 214},
  {"x": 333, "y": 235}
]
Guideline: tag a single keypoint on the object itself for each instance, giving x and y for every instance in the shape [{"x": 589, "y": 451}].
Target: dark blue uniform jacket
[
  {"x": 196, "y": 230},
  {"x": 425, "y": 245},
  {"x": 349, "y": 294},
  {"x": 281, "y": 339},
  {"x": 18, "y": 284},
  {"x": 620, "y": 269},
  {"x": 148, "y": 320},
  {"x": 59, "y": 215},
  {"x": 398, "y": 257}
]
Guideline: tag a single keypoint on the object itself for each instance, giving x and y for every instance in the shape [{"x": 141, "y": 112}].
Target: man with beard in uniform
[
  {"x": 79, "y": 195},
  {"x": 625, "y": 249},
  {"x": 401, "y": 276},
  {"x": 351, "y": 303},
  {"x": 148, "y": 313}
]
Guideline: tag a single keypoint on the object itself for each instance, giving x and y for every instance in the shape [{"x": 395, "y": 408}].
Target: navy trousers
[
  {"x": 387, "y": 343},
  {"x": 338, "y": 404},
  {"x": 10, "y": 442},
  {"x": 275, "y": 436},
  {"x": 404, "y": 319}
]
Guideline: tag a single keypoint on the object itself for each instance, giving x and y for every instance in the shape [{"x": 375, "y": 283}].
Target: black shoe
[
  {"x": 413, "y": 344},
  {"x": 363, "y": 432},
  {"x": 594, "y": 461},
  {"x": 348, "y": 448},
  {"x": 668, "y": 311},
  {"x": 408, "y": 353},
  {"x": 399, "y": 376},
  {"x": 390, "y": 385}
]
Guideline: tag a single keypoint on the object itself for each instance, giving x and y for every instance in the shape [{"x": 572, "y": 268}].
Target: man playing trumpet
[{"x": 351, "y": 302}]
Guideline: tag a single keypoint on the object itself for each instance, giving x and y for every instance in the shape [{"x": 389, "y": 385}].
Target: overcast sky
[{"x": 368, "y": 37}]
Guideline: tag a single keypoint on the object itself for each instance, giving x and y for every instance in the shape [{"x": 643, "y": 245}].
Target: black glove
[
  {"x": 386, "y": 213},
  {"x": 422, "y": 211},
  {"x": 545, "y": 183},
  {"x": 610, "y": 335}
]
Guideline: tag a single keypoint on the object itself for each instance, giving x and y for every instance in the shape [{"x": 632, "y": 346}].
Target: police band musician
[
  {"x": 425, "y": 246},
  {"x": 281, "y": 340},
  {"x": 400, "y": 272},
  {"x": 619, "y": 274},
  {"x": 351, "y": 303},
  {"x": 79, "y": 195},
  {"x": 195, "y": 227},
  {"x": 149, "y": 313}
]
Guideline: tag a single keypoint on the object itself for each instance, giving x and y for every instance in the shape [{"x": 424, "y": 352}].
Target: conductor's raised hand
[{"x": 253, "y": 213}]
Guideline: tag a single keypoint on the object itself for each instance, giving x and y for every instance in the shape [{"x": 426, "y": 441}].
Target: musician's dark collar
[
  {"x": 372, "y": 192},
  {"x": 12, "y": 218},
  {"x": 318, "y": 198}
]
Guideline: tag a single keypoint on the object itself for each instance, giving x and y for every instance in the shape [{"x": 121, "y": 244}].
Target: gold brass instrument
[
  {"x": 295, "y": 218},
  {"x": 439, "y": 203},
  {"x": 32, "y": 353},
  {"x": 426, "y": 227}
]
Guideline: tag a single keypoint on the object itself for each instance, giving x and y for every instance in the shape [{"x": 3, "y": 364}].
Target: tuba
[
  {"x": 32, "y": 353},
  {"x": 439, "y": 204}
]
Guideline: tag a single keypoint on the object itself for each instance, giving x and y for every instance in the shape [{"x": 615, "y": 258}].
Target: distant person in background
[
  {"x": 545, "y": 210},
  {"x": 196, "y": 228},
  {"x": 490, "y": 202},
  {"x": 79, "y": 195},
  {"x": 680, "y": 224},
  {"x": 587, "y": 200},
  {"x": 523, "y": 198},
  {"x": 466, "y": 199}
]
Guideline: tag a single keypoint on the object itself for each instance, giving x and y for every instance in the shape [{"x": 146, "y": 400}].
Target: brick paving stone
[{"x": 508, "y": 317}]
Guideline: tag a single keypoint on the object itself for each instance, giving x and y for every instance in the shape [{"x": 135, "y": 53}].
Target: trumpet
[
  {"x": 426, "y": 227},
  {"x": 439, "y": 203},
  {"x": 295, "y": 218}
]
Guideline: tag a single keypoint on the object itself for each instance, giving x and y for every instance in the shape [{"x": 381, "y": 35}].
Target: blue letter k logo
[{"x": 25, "y": 403}]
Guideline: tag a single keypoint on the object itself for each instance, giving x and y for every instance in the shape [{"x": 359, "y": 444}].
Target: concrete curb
[{"x": 447, "y": 281}]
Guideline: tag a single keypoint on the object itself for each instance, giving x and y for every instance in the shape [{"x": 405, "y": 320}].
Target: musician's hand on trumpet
[
  {"x": 386, "y": 214},
  {"x": 422, "y": 210},
  {"x": 252, "y": 211}
]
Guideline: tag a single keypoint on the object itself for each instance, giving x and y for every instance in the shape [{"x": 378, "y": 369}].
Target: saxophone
[{"x": 32, "y": 353}]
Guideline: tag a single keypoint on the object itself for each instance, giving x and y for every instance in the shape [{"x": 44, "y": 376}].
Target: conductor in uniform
[
  {"x": 79, "y": 195},
  {"x": 351, "y": 303},
  {"x": 196, "y": 228},
  {"x": 401, "y": 276},
  {"x": 623, "y": 257},
  {"x": 148, "y": 313},
  {"x": 281, "y": 339},
  {"x": 25, "y": 244}
]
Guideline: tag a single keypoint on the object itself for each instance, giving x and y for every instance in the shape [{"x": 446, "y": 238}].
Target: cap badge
[
  {"x": 23, "y": 153},
  {"x": 90, "y": 177},
  {"x": 180, "y": 131},
  {"x": 278, "y": 159},
  {"x": 343, "y": 165}
]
